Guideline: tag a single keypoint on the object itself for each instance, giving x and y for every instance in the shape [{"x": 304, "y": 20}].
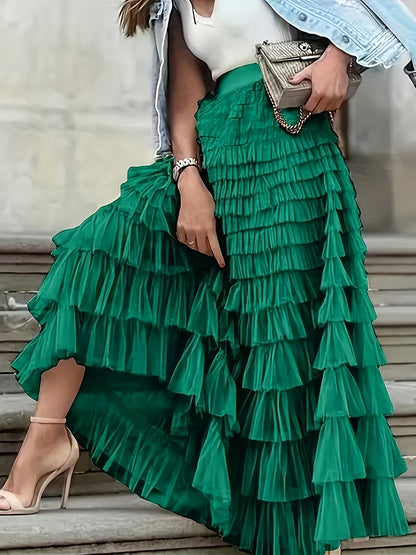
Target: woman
[{"x": 208, "y": 335}]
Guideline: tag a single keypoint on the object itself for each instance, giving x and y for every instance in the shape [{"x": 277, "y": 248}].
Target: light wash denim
[{"x": 376, "y": 32}]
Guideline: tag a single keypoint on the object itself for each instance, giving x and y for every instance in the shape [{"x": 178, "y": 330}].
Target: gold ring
[{"x": 191, "y": 242}]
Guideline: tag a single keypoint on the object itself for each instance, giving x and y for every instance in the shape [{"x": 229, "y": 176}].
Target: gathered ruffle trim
[{"x": 271, "y": 359}]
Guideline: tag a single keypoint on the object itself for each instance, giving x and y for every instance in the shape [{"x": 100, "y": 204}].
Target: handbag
[
  {"x": 280, "y": 60},
  {"x": 410, "y": 70}
]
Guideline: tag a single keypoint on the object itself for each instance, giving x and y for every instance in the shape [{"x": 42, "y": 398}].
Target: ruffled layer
[
  {"x": 247, "y": 398},
  {"x": 306, "y": 227}
]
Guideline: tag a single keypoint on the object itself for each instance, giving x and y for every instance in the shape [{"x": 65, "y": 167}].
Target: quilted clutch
[{"x": 280, "y": 60}]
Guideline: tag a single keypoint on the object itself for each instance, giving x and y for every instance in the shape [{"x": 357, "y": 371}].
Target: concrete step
[
  {"x": 404, "y": 431},
  {"x": 407, "y": 445},
  {"x": 389, "y": 268},
  {"x": 399, "y": 346},
  {"x": 391, "y": 265},
  {"x": 402, "y": 340},
  {"x": 16, "y": 409},
  {"x": 403, "y": 396},
  {"x": 19, "y": 325},
  {"x": 112, "y": 523},
  {"x": 9, "y": 351},
  {"x": 400, "y": 354},
  {"x": 22, "y": 245},
  {"x": 406, "y": 488},
  {"x": 88, "y": 479},
  {"x": 391, "y": 372},
  {"x": 395, "y": 298},
  {"x": 408, "y": 331},
  {"x": 16, "y": 300},
  {"x": 27, "y": 281},
  {"x": 411, "y": 466},
  {"x": 379, "y": 244},
  {"x": 24, "y": 262},
  {"x": 125, "y": 523},
  {"x": 389, "y": 260},
  {"x": 398, "y": 372},
  {"x": 398, "y": 342},
  {"x": 390, "y": 545},
  {"x": 9, "y": 384},
  {"x": 391, "y": 282},
  {"x": 393, "y": 316}
]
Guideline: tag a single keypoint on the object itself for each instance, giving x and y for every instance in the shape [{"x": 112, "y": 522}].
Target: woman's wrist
[
  {"x": 189, "y": 173},
  {"x": 333, "y": 51}
]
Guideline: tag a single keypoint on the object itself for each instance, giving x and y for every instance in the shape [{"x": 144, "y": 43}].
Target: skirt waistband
[{"x": 239, "y": 77}]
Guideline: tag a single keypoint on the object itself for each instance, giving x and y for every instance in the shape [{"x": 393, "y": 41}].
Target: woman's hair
[{"x": 134, "y": 14}]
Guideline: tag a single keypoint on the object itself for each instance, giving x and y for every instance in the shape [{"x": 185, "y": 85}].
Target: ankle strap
[{"x": 48, "y": 420}]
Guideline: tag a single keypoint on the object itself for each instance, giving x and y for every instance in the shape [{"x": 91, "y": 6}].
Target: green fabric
[{"x": 247, "y": 398}]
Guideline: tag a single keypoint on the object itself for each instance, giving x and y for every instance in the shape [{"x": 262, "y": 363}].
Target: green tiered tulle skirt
[{"x": 247, "y": 398}]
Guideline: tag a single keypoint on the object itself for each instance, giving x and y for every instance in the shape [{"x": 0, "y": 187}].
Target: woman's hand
[
  {"x": 329, "y": 77},
  {"x": 196, "y": 220}
]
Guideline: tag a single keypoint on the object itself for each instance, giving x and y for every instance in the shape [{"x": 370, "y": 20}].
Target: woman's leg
[
  {"x": 58, "y": 389},
  {"x": 45, "y": 446}
]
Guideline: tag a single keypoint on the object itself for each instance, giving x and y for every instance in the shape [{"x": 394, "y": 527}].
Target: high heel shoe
[{"x": 16, "y": 507}]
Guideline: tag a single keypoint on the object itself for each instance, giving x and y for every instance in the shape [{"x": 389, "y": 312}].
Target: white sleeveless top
[{"x": 227, "y": 38}]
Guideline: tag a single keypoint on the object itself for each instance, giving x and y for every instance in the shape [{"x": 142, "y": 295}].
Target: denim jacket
[{"x": 375, "y": 32}]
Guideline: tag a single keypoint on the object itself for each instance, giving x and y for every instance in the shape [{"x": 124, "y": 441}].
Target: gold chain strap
[{"x": 294, "y": 128}]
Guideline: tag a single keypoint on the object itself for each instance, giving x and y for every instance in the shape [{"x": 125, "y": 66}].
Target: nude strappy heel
[{"x": 16, "y": 507}]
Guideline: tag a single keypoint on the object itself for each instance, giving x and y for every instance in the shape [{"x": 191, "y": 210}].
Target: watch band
[{"x": 181, "y": 165}]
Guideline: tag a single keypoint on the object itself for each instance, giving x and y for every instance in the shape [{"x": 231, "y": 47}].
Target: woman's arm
[
  {"x": 189, "y": 81},
  {"x": 329, "y": 79},
  {"x": 187, "y": 84}
]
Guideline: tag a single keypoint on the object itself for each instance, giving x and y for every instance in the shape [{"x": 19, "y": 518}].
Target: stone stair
[
  {"x": 108, "y": 523},
  {"x": 23, "y": 265},
  {"x": 103, "y": 516},
  {"x": 391, "y": 266}
]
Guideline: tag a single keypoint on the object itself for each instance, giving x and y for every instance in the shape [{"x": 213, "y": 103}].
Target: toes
[{"x": 4, "y": 504}]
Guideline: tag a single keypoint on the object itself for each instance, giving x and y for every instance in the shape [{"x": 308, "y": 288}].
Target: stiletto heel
[
  {"x": 66, "y": 486},
  {"x": 16, "y": 507}
]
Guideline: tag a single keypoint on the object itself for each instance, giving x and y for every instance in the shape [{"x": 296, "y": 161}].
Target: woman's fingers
[
  {"x": 305, "y": 73},
  {"x": 205, "y": 242},
  {"x": 324, "y": 102},
  {"x": 187, "y": 238},
  {"x": 192, "y": 242},
  {"x": 180, "y": 234},
  {"x": 196, "y": 218},
  {"x": 324, "y": 99},
  {"x": 215, "y": 248},
  {"x": 323, "y": 105},
  {"x": 312, "y": 102},
  {"x": 329, "y": 78},
  {"x": 203, "y": 246},
  {"x": 329, "y": 103}
]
